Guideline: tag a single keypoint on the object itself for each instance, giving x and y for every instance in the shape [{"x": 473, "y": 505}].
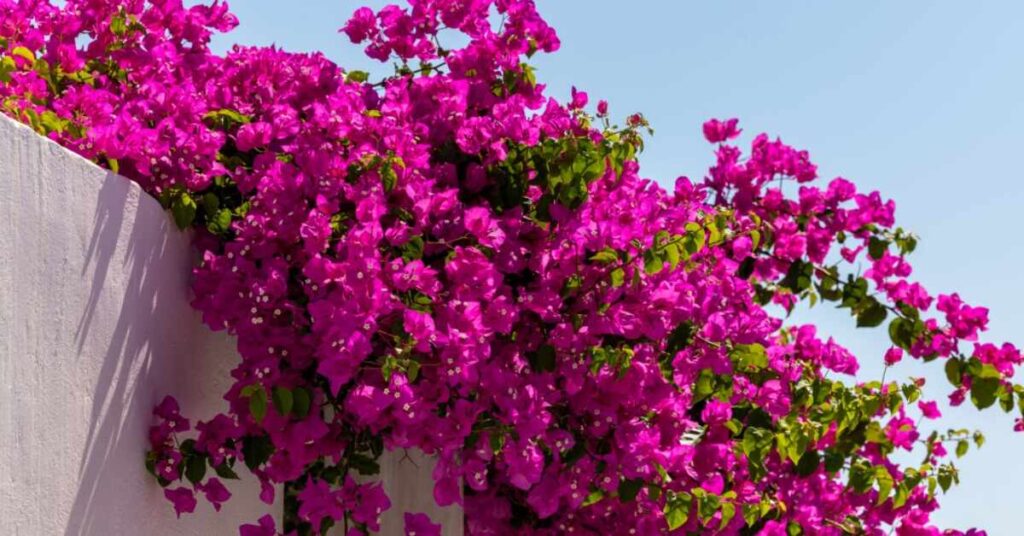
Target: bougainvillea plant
[{"x": 450, "y": 260}]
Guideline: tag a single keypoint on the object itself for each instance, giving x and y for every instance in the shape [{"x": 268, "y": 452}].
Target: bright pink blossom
[{"x": 183, "y": 499}]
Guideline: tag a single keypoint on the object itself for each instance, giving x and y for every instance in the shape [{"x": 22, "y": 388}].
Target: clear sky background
[{"x": 921, "y": 100}]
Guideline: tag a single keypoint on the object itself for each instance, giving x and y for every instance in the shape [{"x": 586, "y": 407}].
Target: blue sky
[{"x": 921, "y": 100}]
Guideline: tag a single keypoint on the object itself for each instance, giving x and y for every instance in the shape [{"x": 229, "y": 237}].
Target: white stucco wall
[{"x": 95, "y": 328}]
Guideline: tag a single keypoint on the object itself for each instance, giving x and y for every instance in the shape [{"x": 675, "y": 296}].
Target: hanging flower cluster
[{"x": 452, "y": 261}]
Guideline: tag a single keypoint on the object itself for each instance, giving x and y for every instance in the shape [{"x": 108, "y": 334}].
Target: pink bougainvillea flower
[
  {"x": 893, "y": 355},
  {"x": 420, "y": 525},
  {"x": 183, "y": 499},
  {"x": 929, "y": 409},
  {"x": 716, "y": 131},
  {"x": 215, "y": 492},
  {"x": 266, "y": 527}
]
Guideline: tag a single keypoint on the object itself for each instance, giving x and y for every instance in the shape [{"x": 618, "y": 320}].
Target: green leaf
[
  {"x": 983, "y": 391},
  {"x": 679, "y": 338},
  {"x": 901, "y": 333},
  {"x": 528, "y": 73},
  {"x": 906, "y": 243},
  {"x": 256, "y": 450},
  {"x": 714, "y": 234},
  {"x": 301, "y": 402},
  {"x": 695, "y": 238},
  {"x": 673, "y": 255},
  {"x": 750, "y": 356},
  {"x": 954, "y": 371},
  {"x": 1006, "y": 400},
  {"x": 728, "y": 512},
  {"x": 877, "y": 247},
  {"x": 874, "y": 432},
  {"x": 911, "y": 392},
  {"x": 119, "y": 24},
  {"x": 225, "y": 119},
  {"x": 677, "y": 511},
  {"x": 365, "y": 465},
  {"x": 388, "y": 177},
  {"x": 707, "y": 504},
  {"x": 605, "y": 256},
  {"x": 497, "y": 441},
  {"x": 861, "y": 476},
  {"x": 572, "y": 285},
  {"x": 873, "y": 315},
  {"x": 746, "y": 268},
  {"x": 248, "y": 390},
  {"x": 388, "y": 368},
  {"x": 412, "y": 371},
  {"x": 594, "y": 497},
  {"x": 187, "y": 447},
  {"x": 629, "y": 488},
  {"x": 283, "y": 400},
  {"x": 25, "y": 53},
  {"x": 885, "y": 483},
  {"x": 705, "y": 385},
  {"x": 988, "y": 371},
  {"x": 195, "y": 468},
  {"x": 828, "y": 287},
  {"x": 755, "y": 237},
  {"x": 751, "y": 513},
  {"x": 798, "y": 277},
  {"x": 543, "y": 360},
  {"x": 258, "y": 405},
  {"x": 961, "y": 448},
  {"x": 220, "y": 222},
  {"x": 226, "y": 472},
  {"x": 902, "y": 494},
  {"x": 618, "y": 276},
  {"x": 945, "y": 479},
  {"x": 834, "y": 461},
  {"x": 653, "y": 262},
  {"x": 809, "y": 463},
  {"x": 7, "y": 66},
  {"x": 210, "y": 203},
  {"x": 183, "y": 208},
  {"x": 151, "y": 463},
  {"x": 357, "y": 76},
  {"x": 854, "y": 292},
  {"x": 413, "y": 249},
  {"x": 53, "y": 123}
]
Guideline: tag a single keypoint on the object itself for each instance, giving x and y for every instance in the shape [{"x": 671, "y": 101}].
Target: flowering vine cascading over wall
[{"x": 450, "y": 260}]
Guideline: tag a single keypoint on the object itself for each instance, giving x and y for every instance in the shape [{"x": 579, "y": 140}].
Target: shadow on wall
[
  {"x": 124, "y": 391},
  {"x": 95, "y": 329},
  {"x": 156, "y": 346}
]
